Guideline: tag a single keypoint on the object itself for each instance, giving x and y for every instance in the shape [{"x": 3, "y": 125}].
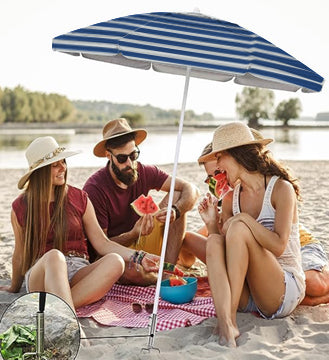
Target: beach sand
[{"x": 303, "y": 335}]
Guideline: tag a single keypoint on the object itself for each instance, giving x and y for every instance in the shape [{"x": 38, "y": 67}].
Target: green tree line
[{"x": 21, "y": 106}]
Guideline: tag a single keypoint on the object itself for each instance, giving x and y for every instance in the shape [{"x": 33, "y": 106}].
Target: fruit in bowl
[
  {"x": 177, "y": 281},
  {"x": 179, "y": 291}
]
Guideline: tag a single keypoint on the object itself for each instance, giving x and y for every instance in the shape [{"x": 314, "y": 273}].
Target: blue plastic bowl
[{"x": 179, "y": 294}]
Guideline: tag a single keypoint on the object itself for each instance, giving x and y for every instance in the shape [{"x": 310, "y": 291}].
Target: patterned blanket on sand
[{"x": 115, "y": 309}]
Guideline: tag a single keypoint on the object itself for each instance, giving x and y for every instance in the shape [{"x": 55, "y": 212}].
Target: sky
[{"x": 27, "y": 27}]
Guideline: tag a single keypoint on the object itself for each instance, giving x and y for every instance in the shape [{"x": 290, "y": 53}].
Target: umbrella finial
[{"x": 196, "y": 10}]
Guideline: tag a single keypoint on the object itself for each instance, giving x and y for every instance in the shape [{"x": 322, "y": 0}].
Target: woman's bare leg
[
  {"x": 194, "y": 246},
  {"x": 247, "y": 260},
  {"x": 49, "y": 274},
  {"x": 92, "y": 282},
  {"x": 220, "y": 289}
]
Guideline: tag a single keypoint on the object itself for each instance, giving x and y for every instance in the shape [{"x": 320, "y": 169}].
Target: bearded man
[{"x": 113, "y": 188}]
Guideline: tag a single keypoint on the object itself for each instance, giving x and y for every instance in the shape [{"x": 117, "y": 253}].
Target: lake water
[{"x": 159, "y": 147}]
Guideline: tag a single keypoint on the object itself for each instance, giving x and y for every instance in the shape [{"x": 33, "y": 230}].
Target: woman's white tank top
[{"x": 290, "y": 260}]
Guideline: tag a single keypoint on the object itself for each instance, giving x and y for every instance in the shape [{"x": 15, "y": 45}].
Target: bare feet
[
  {"x": 315, "y": 300},
  {"x": 227, "y": 334}
]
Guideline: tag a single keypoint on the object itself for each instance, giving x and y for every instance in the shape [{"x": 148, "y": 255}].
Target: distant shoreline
[{"x": 8, "y": 128}]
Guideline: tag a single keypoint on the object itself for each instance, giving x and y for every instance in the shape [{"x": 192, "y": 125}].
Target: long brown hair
[
  {"x": 39, "y": 223},
  {"x": 256, "y": 157}
]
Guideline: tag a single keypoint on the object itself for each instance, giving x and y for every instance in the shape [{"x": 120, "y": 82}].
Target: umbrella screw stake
[
  {"x": 39, "y": 340},
  {"x": 39, "y": 343},
  {"x": 152, "y": 326}
]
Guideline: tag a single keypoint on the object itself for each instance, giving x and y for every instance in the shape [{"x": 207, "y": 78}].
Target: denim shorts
[
  {"x": 74, "y": 264},
  {"x": 313, "y": 257},
  {"x": 292, "y": 298}
]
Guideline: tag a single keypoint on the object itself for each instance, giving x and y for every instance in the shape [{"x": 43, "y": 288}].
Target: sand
[{"x": 303, "y": 335}]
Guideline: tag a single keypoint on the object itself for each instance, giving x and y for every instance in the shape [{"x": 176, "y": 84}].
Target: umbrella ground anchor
[
  {"x": 151, "y": 336},
  {"x": 39, "y": 340}
]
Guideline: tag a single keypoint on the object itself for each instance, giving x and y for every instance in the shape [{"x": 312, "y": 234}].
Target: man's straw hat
[
  {"x": 232, "y": 135},
  {"x": 114, "y": 129},
  {"x": 41, "y": 152}
]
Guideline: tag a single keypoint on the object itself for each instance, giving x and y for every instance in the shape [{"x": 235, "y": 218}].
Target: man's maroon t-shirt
[{"x": 112, "y": 203}]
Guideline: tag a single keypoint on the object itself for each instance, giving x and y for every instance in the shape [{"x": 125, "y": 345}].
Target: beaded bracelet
[
  {"x": 141, "y": 257},
  {"x": 133, "y": 259},
  {"x": 136, "y": 258}
]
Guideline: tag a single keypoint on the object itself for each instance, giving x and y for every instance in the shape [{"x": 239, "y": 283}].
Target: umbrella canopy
[
  {"x": 189, "y": 44},
  {"x": 213, "y": 48}
]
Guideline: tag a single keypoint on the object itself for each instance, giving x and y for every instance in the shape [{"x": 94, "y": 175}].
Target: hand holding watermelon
[
  {"x": 209, "y": 213},
  {"x": 150, "y": 262},
  {"x": 145, "y": 207}
]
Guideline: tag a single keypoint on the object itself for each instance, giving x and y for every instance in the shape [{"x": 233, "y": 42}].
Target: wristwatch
[{"x": 177, "y": 212}]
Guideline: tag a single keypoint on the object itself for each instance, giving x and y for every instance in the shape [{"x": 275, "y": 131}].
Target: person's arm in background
[
  {"x": 103, "y": 245},
  {"x": 17, "y": 259},
  {"x": 185, "y": 197}
]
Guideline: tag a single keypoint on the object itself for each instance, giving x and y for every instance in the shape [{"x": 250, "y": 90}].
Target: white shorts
[
  {"x": 292, "y": 297},
  {"x": 74, "y": 264}
]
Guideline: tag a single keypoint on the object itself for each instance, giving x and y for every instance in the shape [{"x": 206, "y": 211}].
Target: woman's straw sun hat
[
  {"x": 41, "y": 152},
  {"x": 114, "y": 129},
  {"x": 232, "y": 135}
]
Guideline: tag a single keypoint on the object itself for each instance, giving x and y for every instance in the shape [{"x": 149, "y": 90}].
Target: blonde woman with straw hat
[
  {"x": 51, "y": 222},
  {"x": 252, "y": 250}
]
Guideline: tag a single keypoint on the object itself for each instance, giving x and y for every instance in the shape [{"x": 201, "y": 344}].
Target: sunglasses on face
[
  {"x": 122, "y": 158},
  {"x": 138, "y": 308}
]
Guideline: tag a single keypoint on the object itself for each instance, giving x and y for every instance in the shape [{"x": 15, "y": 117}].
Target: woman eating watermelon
[
  {"x": 255, "y": 237},
  {"x": 314, "y": 259}
]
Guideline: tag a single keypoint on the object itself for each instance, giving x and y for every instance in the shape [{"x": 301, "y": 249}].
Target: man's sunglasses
[{"x": 122, "y": 158}]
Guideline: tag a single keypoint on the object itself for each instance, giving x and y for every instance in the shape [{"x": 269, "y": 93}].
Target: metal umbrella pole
[
  {"x": 153, "y": 320},
  {"x": 40, "y": 322}
]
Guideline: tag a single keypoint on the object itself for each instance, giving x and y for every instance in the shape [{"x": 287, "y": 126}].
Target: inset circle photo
[{"x": 39, "y": 325}]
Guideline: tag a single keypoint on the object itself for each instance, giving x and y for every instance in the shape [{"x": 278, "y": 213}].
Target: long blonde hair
[{"x": 38, "y": 222}]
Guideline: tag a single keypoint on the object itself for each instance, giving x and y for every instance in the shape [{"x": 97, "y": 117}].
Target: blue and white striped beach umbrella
[
  {"x": 193, "y": 45},
  {"x": 170, "y": 42}
]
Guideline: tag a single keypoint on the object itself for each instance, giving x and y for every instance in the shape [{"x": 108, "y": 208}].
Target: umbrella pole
[{"x": 153, "y": 319}]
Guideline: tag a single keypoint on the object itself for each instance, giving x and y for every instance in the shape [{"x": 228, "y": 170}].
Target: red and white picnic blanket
[{"x": 115, "y": 309}]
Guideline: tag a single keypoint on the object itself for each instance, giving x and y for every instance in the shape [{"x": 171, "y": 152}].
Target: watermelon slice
[
  {"x": 172, "y": 269},
  {"x": 176, "y": 281},
  {"x": 219, "y": 186},
  {"x": 145, "y": 205}
]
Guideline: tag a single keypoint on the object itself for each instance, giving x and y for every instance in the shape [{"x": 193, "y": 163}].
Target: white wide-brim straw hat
[
  {"x": 114, "y": 129},
  {"x": 41, "y": 152},
  {"x": 232, "y": 135}
]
